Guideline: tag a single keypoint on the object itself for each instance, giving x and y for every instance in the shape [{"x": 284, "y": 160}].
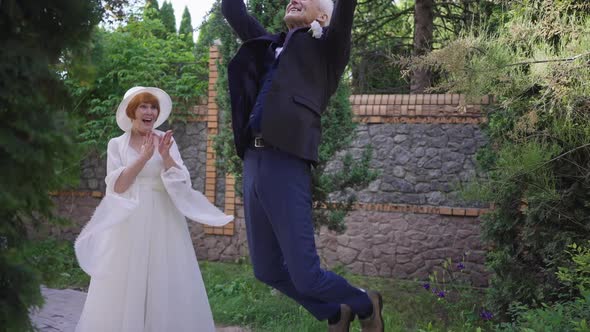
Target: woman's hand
[
  {"x": 165, "y": 144},
  {"x": 147, "y": 148},
  {"x": 146, "y": 151},
  {"x": 164, "y": 149}
]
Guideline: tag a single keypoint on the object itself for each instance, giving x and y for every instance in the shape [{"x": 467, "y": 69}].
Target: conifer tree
[
  {"x": 37, "y": 136},
  {"x": 167, "y": 17},
  {"x": 186, "y": 26},
  {"x": 151, "y": 9}
]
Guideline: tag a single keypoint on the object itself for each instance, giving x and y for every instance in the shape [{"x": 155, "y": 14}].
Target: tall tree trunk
[{"x": 423, "y": 27}]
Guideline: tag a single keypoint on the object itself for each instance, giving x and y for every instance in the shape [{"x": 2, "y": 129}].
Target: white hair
[{"x": 327, "y": 7}]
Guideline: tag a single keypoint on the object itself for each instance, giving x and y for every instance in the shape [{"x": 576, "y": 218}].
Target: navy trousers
[{"x": 278, "y": 211}]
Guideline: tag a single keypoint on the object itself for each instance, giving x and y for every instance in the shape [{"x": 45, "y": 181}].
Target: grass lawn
[{"x": 237, "y": 298}]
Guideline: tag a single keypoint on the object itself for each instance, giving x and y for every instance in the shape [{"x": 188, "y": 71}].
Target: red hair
[{"x": 141, "y": 98}]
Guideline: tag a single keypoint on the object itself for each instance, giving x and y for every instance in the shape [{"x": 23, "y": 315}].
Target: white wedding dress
[{"x": 138, "y": 251}]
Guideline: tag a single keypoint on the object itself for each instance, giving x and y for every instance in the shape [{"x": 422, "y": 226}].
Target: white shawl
[{"x": 92, "y": 249}]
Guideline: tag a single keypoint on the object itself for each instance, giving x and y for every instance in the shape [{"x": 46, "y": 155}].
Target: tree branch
[{"x": 570, "y": 59}]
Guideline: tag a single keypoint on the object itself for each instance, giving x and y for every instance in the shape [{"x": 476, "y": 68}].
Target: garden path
[{"x": 63, "y": 307}]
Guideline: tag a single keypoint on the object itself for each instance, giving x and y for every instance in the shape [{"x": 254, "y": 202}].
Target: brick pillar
[{"x": 211, "y": 167}]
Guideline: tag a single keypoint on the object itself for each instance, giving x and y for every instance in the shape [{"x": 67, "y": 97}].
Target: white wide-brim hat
[{"x": 164, "y": 99}]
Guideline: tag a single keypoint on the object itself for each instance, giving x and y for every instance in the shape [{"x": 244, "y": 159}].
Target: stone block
[
  {"x": 366, "y": 255},
  {"x": 358, "y": 243},
  {"x": 384, "y": 270},
  {"x": 369, "y": 269},
  {"x": 356, "y": 268},
  {"x": 347, "y": 255}
]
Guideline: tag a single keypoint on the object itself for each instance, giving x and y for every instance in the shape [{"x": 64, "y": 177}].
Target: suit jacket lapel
[
  {"x": 276, "y": 38},
  {"x": 290, "y": 34}
]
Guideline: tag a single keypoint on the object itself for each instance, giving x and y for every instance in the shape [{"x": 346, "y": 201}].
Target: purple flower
[
  {"x": 441, "y": 294},
  {"x": 486, "y": 315},
  {"x": 460, "y": 266},
  {"x": 426, "y": 286}
]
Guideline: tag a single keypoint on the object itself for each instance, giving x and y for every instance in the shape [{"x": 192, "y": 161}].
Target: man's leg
[
  {"x": 265, "y": 252},
  {"x": 285, "y": 195}
]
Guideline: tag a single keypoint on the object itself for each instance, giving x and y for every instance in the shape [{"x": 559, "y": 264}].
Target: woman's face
[{"x": 145, "y": 117}]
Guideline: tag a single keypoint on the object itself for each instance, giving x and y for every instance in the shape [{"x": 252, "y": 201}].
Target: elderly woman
[{"x": 137, "y": 247}]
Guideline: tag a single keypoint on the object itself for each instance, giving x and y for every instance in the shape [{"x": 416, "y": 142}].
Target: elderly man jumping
[{"x": 280, "y": 85}]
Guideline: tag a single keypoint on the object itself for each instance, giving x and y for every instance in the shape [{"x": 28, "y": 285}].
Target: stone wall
[
  {"x": 376, "y": 243},
  {"x": 407, "y": 221},
  {"x": 191, "y": 138},
  {"x": 421, "y": 164},
  {"x": 220, "y": 247},
  {"x": 404, "y": 245},
  {"x": 76, "y": 208},
  {"x": 388, "y": 235},
  {"x": 94, "y": 169}
]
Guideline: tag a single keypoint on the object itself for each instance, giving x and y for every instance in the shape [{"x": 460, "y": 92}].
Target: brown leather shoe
[
  {"x": 375, "y": 322},
  {"x": 343, "y": 324}
]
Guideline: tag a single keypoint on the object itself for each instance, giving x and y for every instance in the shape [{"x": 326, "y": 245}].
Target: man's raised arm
[
  {"x": 244, "y": 25},
  {"x": 339, "y": 34}
]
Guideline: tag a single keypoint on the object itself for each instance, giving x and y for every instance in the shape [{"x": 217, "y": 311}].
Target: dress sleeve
[
  {"x": 191, "y": 203},
  {"x": 94, "y": 244},
  {"x": 114, "y": 169}
]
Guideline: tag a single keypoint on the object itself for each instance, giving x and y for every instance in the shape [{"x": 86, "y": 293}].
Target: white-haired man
[{"x": 280, "y": 85}]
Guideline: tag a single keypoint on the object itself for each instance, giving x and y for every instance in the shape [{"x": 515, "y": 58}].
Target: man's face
[{"x": 300, "y": 13}]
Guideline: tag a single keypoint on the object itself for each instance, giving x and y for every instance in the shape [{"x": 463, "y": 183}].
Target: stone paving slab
[{"x": 63, "y": 308}]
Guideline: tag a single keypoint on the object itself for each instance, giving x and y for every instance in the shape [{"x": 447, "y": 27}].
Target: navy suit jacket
[{"x": 306, "y": 77}]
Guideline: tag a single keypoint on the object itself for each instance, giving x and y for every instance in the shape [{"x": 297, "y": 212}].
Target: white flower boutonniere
[{"x": 316, "y": 29}]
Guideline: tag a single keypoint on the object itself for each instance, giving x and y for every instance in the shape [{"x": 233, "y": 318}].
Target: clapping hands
[
  {"x": 165, "y": 144},
  {"x": 147, "y": 147},
  {"x": 151, "y": 140}
]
